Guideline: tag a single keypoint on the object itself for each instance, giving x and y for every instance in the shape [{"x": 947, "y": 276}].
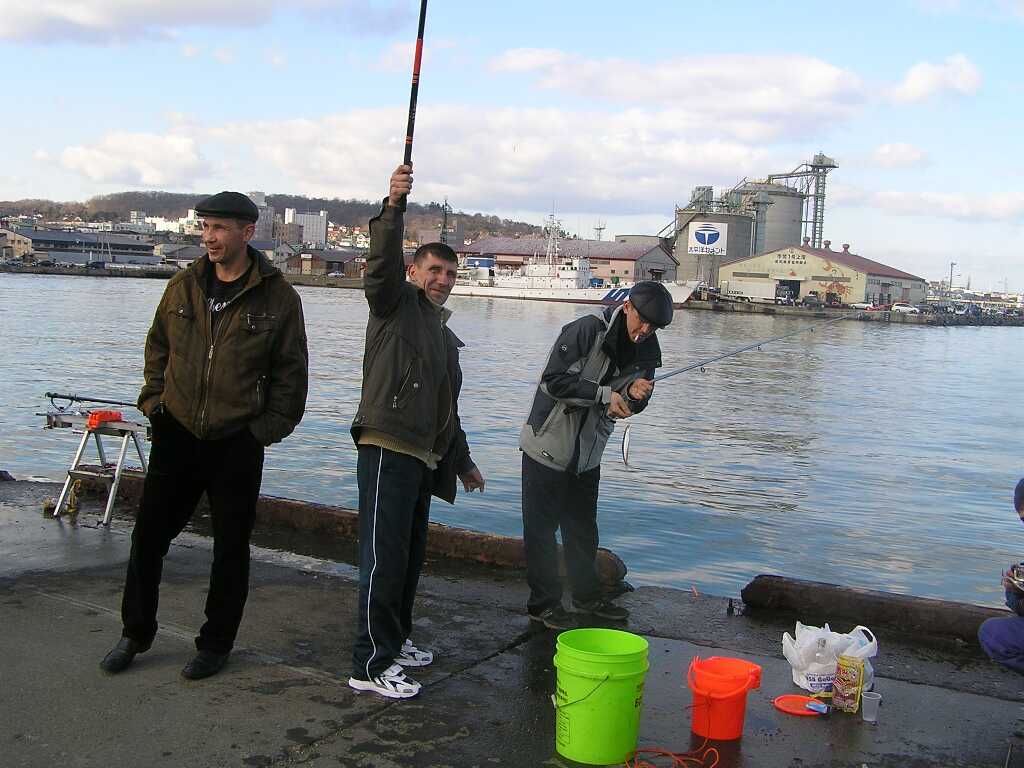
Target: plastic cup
[{"x": 869, "y": 701}]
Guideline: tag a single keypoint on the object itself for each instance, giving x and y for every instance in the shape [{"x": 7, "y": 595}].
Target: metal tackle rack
[{"x": 111, "y": 475}]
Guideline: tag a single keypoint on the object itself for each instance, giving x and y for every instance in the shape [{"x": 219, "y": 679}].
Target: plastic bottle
[{"x": 821, "y": 654}]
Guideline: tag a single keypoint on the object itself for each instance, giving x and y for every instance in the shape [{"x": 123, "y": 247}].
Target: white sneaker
[
  {"x": 392, "y": 683},
  {"x": 411, "y": 656}
]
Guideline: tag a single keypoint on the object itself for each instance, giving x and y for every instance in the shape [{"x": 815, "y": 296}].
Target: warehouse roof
[
  {"x": 852, "y": 260},
  {"x": 62, "y": 236},
  {"x": 536, "y": 246}
]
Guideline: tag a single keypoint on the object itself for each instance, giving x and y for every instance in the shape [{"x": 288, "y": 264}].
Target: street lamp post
[{"x": 951, "y": 265}]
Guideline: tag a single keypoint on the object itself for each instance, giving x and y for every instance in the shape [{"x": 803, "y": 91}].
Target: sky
[{"x": 601, "y": 112}]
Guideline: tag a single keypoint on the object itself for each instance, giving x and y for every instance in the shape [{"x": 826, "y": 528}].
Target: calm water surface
[{"x": 866, "y": 454}]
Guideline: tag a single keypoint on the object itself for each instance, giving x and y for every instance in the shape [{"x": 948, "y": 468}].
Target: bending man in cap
[
  {"x": 410, "y": 441},
  {"x": 226, "y": 375},
  {"x": 599, "y": 370}
]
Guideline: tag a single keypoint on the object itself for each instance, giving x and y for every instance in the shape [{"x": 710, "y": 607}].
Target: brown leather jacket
[{"x": 253, "y": 373}]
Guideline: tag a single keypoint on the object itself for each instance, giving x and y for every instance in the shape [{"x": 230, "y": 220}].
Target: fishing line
[{"x": 702, "y": 365}]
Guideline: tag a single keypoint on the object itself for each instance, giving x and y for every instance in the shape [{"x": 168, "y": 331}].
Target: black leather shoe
[
  {"x": 205, "y": 664},
  {"x": 121, "y": 655}
]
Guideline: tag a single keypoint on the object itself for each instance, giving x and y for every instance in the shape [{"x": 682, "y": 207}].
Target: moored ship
[{"x": 551, "y": 276}]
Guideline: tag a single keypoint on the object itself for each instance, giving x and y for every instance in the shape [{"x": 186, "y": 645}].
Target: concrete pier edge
[
  {"x": 772, "y": 593},
  {"x": 925, "y": 615},
  {"x": 444, "y": 540}
]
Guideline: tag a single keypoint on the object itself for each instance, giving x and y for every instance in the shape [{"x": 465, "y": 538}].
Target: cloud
[
  {"x": 940, "y": 6},
  {"x": 528, "y": 60},
  {"x": 751, "y": 98},
  {"x": 137, "y": 159},
  {"x": 1015, "y": 7},
  {"x": 899, "y": 155},
  {"x": 998, "y": 207},
  {"x": 41, "y": 155},
  {"x": 224, "y": 55},
  {"x": 277, "y": 59},
  {"x": 731, "y": 86},
  {"x": 957, "y": 74},
  {"x": 636, "y": 161},
  {"x": 189, "y": 51},
  {"x": 985, "y": 8},
  {"x": 114, "y": 21}
]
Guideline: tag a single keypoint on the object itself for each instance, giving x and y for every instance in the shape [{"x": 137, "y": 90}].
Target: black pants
[
  {"x": 553, "y": 500},
  {"x": 394, "y": 508},
  {"x": 181, "y": 468}
]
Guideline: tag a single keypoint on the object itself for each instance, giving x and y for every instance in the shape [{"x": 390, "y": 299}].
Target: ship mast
[{"x": 553, "y": 251}]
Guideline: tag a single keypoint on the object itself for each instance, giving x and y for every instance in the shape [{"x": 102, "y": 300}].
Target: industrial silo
[
  {"x": 698, "y": 258},
  {"x": 783, "y": 218}
]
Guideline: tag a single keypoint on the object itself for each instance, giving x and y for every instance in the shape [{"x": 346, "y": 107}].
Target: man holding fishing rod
[
  {"x": 409, "y": 438},
  {"x": 226, "y": 374},
  {"x": 600, "y": 369}
]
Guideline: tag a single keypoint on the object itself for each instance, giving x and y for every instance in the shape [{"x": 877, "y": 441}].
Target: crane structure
[{"x": 809, "y": 180}]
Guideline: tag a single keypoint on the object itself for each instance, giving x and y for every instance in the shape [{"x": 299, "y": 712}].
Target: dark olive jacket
[
  {"x": 252, "y": 373},
  {"x": 410, "y": 357}
]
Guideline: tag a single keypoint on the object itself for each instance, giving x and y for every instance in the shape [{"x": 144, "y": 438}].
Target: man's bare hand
[
  {"x": 640, "y": 389},
  {"x": 401, "y": 185},
  {"x": 617, "y": 408},
  {"x": 472, "y": 480}
]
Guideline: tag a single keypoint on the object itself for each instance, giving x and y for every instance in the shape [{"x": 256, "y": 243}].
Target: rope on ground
[
  {"x": 698, "y": 758},
  {"x": 701, "y": 757}
]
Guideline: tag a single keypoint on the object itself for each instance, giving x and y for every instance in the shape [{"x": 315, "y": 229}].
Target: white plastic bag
[{"x": 814, "y": 651}]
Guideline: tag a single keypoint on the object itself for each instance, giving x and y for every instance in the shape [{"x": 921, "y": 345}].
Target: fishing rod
[
  {"x": 732, "y": 353},
  {"x": 415, "y": 90},
  {"x": 755, "y": 345},
  {"x": 78, "y": 399}
]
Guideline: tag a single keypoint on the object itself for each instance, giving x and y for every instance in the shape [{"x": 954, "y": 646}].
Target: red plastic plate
[{"x": 795, "y": 704}]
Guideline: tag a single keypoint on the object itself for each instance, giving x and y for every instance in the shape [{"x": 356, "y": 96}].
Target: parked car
[
  {"x": 335, "y": 274},
  {"x": 810, "y": 300},
  {"x": 861, "y": 305},
  {"x": 905, "y": 309}
]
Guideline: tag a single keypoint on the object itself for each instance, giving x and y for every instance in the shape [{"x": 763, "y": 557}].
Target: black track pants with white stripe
[{"x": 394, "y": 507}]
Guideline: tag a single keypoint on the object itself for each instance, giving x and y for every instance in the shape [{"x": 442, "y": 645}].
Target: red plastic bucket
[{"x": 719, "y": 686}]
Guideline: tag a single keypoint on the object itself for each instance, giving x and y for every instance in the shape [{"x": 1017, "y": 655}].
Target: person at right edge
[
  {"x": 409, "y": 440},
  {"x": 599, "y": 370},
  {"x": 1003, "y": 638}
]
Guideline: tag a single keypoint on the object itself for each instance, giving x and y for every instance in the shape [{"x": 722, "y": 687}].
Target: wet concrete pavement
[{"x": 282, "y": 700}]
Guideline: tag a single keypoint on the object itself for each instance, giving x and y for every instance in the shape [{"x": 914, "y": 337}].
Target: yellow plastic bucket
[{"x": 598, "y": 694}]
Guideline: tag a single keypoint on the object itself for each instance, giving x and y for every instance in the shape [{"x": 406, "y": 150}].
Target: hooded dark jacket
[
  {"x": 568, "y": 426},
  {"x": 252, "y": 372},
  {"x": 411, "y": 356}
]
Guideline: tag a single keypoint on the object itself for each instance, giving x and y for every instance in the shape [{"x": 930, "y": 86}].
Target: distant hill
[{"x": 170, "y": 205}]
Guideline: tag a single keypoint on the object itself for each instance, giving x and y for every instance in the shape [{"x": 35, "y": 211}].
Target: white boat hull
[{"x": 608, "y": 295}]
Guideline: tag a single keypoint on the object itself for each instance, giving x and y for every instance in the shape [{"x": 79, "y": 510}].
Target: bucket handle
[
  {"x": 593, "y": 690},
  {"x": 693, "y": 687}
]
